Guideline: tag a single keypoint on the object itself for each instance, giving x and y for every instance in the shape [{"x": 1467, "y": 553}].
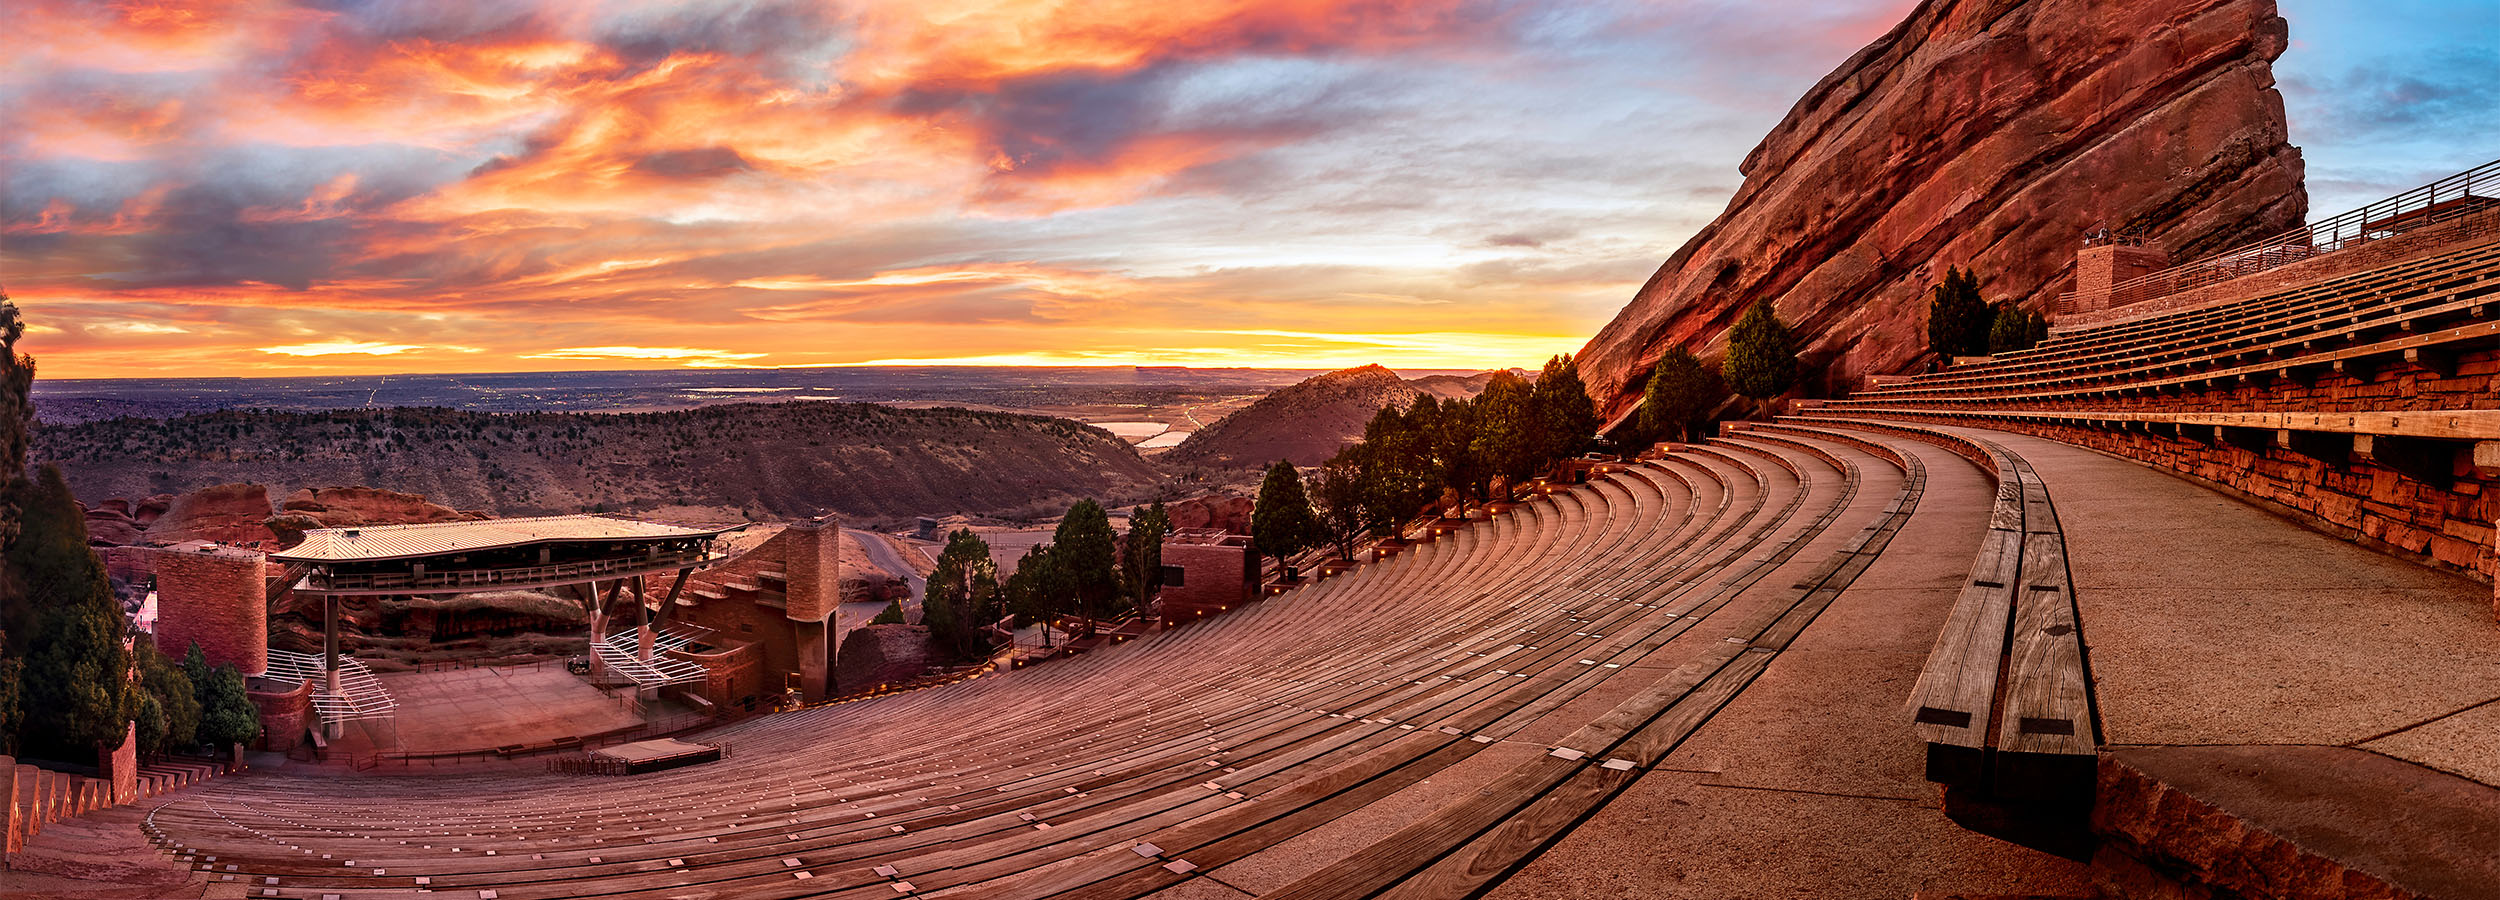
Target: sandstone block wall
[
  {"x": 218, "y": 598},
  {"x": 733, "y": 679},
  {"x": 2465, "y": 232},
  {"x": 2448, "y": 526},
  {"x": 2100, "y": 267},
  {"x": 814, "y": 561},
  {"x": 285, "y": 713},
  {"x": 1213, "y": 576}
]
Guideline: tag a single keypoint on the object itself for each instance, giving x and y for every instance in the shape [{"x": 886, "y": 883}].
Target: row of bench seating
[{"x": 1139, "y": 767}]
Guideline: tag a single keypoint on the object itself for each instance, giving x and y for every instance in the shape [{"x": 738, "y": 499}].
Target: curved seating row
[{"x": 1600, "y": 623}]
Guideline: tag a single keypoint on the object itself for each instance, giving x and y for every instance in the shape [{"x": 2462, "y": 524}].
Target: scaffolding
[{"x": 360, "y": 695}]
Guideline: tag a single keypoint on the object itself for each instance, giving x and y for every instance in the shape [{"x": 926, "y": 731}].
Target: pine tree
[
  {"x": 1281, "y": 523},
  {"x": 1761, "y": 355},
  {"x": 1344, "y": 514},
  {"x": 227, "y": 715},
  {"x": 1141, "y": 556},
  {"x": 76, "y": 685},
  {"x": 1680, "y": 390},
  {"x": 1508, "y": 438},
  {"x": 961, "y": 598},
  {"x": 177, "y": 700},
  {"x": 2016, "y": 328},
  {"x": 1957, "y": 319},
  {"x": 1087, "y": 549},
  {"x": 1566, "y": 417}
]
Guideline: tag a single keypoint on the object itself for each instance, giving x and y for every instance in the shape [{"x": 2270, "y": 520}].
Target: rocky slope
[
  {"x": 1307, "y": 422},
  {"x": 1982, "y": 133},
  {"x": 757, "y": 460}
]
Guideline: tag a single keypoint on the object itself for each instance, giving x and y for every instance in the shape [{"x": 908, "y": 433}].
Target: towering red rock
[{"x": 1984, "y": 133}]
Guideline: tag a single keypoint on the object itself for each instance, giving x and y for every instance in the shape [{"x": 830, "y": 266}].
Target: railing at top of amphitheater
[{"x": 2445, "y": 200}]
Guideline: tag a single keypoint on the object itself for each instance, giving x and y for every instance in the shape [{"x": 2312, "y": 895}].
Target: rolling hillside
[{"x": 765, "y": 460}]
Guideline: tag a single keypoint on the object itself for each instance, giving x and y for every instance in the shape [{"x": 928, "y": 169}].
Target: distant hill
[
  {"x": 766, "y": 460},
  {"x": 1309, "y": 421}
]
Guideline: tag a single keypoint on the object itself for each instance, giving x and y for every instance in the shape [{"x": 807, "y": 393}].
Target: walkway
[
  {"x": 1808, "y": 784},
  {"x": 2212, "y": 621}
]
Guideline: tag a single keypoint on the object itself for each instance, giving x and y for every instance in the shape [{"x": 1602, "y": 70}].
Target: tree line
[
  {"x": 1086, "y": 569},
  {"x": 70, "y": 688},
  {"x": 1432, "y": 453}
]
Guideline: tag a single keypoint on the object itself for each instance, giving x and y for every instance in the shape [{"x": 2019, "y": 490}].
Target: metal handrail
[{"x": 2404, "y": 212}]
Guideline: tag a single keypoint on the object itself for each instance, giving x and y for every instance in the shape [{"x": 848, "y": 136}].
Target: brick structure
[
  {"x": 1206, "y": 572},
  {"x": 285, "y": 711},
  {"x": 211, "y": 594},
  {"x": 2102, "y": 266},
  {"x": 121, "y": 768},
  {"x": 780, "y": 596},
  {"x": 13, "y": 789},
  {"x": 733, "y": 677},
  {"x": 2461, "y": 232}
]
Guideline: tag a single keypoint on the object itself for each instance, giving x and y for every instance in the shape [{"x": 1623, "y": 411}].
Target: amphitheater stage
[{"x": 484, "y": 708}]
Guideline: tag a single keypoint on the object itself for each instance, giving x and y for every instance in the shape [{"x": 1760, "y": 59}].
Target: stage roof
[{"x": 385, "y": 542}]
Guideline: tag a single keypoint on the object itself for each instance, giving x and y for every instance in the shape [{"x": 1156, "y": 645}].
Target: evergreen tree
[
  {"x": 12, "y": 702},
  {"x": 892, "y": 614},
  {"x": 1281, "y": 523},
  {"x": 1141, "y": 556},
  {"x": 1761, "y": 355},
  {"x": 1454, "y": 449},
  {"x": 2016, "y": 328},
  {"x": 17, "y": 423},
  {"x": 1088, "y": 549},
  {"x": 1680, "y": 390},
  {"x": 176, "y": 699},
  {"x": 1508, "y": 438},
  {"x": 961, "y": 598},
  {"x": 1344, "y": 514},
  {"x": 1040, "y": 588},
  {"x": 1957, "y": 319},
  {"x": 227, "y": 716},
  {"x": 1566, "y": 417},
  {"x": 76, "y": 683}
]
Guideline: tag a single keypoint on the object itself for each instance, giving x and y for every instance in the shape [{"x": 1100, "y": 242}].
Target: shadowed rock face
[{"x": 1985, "y": 133}]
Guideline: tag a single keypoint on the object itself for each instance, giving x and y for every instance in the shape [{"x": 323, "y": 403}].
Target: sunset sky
[{"x": 261, "y": 188}]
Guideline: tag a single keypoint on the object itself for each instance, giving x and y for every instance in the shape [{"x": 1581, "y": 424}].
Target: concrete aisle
[
  {"x": 2212, "y": 621},
  {"x": 1808, "y": 784}
]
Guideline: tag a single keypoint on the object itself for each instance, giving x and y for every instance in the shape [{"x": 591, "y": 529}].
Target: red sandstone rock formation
[
  {"x": 1983, "y": 133},
  {"x": 226, "y": 513},
  {"x": 1230, "y": 512},
  {"x": 111, "y": 527},
  {"x": 340, "y": 507},
  {"x": 883, "y": 654}
]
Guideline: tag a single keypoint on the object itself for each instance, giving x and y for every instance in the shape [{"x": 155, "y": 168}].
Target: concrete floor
[
  {"x": 2212, "y": 621},
  {"x": 1808, "y": 784},
  {"x": 488, "y": 707}
]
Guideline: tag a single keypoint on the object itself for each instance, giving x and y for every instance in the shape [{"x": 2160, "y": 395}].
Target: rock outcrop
[
  {"x": 225, "y": 513},
  {"x": 1227, "y": 511},
  {"x": 1983, "y": 133},
  {"x": 1309, "y": 421},
  {"x": 341, "y": 507},
  {"x": 883, "y": 654}
]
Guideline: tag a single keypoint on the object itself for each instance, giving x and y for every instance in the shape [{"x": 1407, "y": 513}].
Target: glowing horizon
[{"x": 215, "y": 187}]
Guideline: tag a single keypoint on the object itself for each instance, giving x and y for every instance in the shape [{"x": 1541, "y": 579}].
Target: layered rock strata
[{"x": 1991, "y": 134}]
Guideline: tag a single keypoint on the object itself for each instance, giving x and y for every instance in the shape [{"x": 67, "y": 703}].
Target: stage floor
[{"x": 489, "y": 707}]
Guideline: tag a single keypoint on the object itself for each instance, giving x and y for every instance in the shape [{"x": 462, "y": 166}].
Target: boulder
[
  {"x": 1991, "y": 134},
  {"x": 883, "y": 654},
  {"x": 1230, "y": 512},
  {"x": 226, "y": 513}
]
